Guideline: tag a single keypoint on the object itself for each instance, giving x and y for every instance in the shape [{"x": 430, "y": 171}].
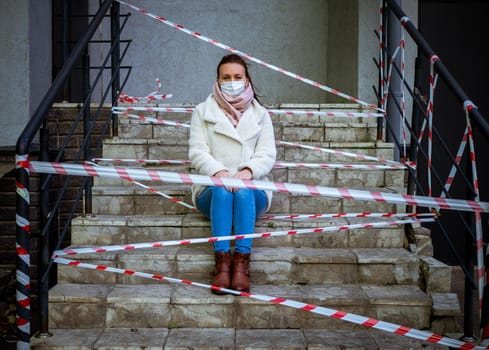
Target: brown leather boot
[
  {"x": 241, "y": 272},
  {"x": 222, "y": 272}
]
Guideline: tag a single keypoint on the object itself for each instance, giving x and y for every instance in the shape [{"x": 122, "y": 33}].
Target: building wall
[
  {"x": 25, "y": 63},
  {"x": 289, "y": 34}
]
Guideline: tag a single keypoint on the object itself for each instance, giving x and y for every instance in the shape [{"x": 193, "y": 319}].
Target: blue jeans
[{"x": 226, "y": 209}]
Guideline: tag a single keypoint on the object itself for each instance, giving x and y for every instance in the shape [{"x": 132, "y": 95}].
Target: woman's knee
[
  {"x": 221, "y": 194},
  {"x": 244, "y": 195}
]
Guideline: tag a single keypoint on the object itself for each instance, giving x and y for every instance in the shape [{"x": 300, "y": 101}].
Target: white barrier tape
[
  {"x": 126, "y": 247},
  {"x": 346, "y": 154},
  {"x": 249, "y": 57},
  {"x": 152, "y": 120},
  {"x": 310, "y": 190},
  {"x": 154, "y": 96},
  {"x": 142, "y": 161},
  {"x": 277, "y": 164},
  {"x": 345, "y": 215},
  {"x": 320, "y": 310},
  {"x": 338, "y": 166},
  {"x": 123, "y": 98},
  {"x": 309, "y": 113},
  {"x": 173, "y": 199}
]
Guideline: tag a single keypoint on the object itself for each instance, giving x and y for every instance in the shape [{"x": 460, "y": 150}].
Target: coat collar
[{"x": 247, "y": 127}]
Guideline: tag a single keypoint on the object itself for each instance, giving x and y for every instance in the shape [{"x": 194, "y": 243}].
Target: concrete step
[
  {"x": 375, "y": 266},
  {"x": 177, "y": 149},
  {"x": 187, "y": 306},
  {"x": 130, "y": 199},
  {"x": 292, "y": 131},
  {"x": 119, "y": 229},
  {"x": 226, "y": 338}
]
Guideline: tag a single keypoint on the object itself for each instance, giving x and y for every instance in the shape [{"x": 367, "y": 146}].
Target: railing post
[
  {"x": 86, "y": 128},
  {"x": 115, "y": 60},
  {"x": 417, "y": 117},
  {"x": 468, "y": 335},
  {"x": 22, "y": 198},
  {"x": 45, "y": 250},
  {"x": 65, "y": 43},
  {"x": 395, "y": 85}
]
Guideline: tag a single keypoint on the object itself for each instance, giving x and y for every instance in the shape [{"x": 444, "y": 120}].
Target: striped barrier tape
[
  {"x": 309, "y": 113},
  {"x": 320, "y": 310},
  {"x": 134, "y": 246},
  {"x": 249, "y": 57},
  {"x": 158, "y": 192},
  {"x": 346, "y": 154},
  {"x": 152, "y": 119},
  {"x": 339, "y": 166},
  {"x": 277, "y": 164},
  {"x": 142, "y": 161},
  {"x": 345, "y": 215},
  {"x": 478, "y": 221},
  {"x": 123, "y": 98},
  {"x": 304, "y": 189},
  {"x": 154, "y": 96},
  {"x": 22, "y": 247}
]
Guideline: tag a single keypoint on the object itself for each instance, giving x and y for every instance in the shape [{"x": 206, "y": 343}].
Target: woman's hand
[
  {"x": 245, "y": 174},
  {"x": 225, "y": 173}
]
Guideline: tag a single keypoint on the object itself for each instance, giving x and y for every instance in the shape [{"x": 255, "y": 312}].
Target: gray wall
[
  {"x": 329, "y": 41},
  {"x": 290, "y": 34},
  {"x": 25, "y": 63}
]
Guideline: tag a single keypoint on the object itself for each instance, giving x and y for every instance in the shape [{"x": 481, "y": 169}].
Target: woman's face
[{"x": 231, "y": 72}]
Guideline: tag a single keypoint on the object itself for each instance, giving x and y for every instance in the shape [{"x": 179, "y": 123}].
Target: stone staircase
[{"x": 382, "y": 273}]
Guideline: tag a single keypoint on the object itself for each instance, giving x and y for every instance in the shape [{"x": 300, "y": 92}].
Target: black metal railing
[
  {"x": 92, "y": 126},
  {"x": 394, "y": 16}
]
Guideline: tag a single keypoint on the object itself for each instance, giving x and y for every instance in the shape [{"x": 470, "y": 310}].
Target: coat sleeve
[
  {"x": 265, "y": 153},
  {"x": 199, "y": 151}
]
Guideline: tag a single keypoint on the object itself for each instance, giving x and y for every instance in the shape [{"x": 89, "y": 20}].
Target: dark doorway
[{"x": 457, "y": 32}]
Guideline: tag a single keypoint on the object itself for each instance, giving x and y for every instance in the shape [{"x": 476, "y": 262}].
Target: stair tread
[
  {"x": 227, "y": 338},
  {"x": 293, "y": 255},
  {"x": 179, "y": 219},
  {"x": 190, "y": 294}
]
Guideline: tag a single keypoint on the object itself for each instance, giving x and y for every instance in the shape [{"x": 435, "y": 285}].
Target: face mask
[{"x": 233, "y": 88}]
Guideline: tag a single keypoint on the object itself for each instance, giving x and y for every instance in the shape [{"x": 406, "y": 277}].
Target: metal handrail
[
  {"x": 38, "y": 124},
  {"x": 479, "y": 122}
]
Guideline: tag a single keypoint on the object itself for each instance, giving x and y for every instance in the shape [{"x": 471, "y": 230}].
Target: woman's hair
[{"x": 233, "y": 58}]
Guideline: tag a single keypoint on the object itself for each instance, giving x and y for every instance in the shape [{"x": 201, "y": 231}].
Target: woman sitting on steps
[{"x": 231, "y": 135}]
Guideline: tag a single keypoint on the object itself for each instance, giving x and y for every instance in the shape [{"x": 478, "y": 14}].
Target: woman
[{"x": 231, "y": 135}]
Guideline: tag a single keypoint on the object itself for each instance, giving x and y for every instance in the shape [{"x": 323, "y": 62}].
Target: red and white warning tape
[
  {"x": 154, "y": 96},
  {"x": 309, "y": 190},
  {"x": 152, "y": 119},
  {"x": 142, "y": 161},
  {"x": 249, "y": 57},
  {"x": 309, "y": 113},
  {"x": 114, "y": 248},
  {"x": 345, "y": 215},
  {"x": 277, "y": 164},
  {"x": 346, "y": 154},
  {"x": 320, "y": 310},
  {"x": 338, "y": 166}
]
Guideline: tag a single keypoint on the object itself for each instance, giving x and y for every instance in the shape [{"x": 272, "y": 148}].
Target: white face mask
[{"x": 233, "y": 88}]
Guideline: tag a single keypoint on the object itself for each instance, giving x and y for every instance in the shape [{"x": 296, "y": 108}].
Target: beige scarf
[{"x": 233, "y": 107}]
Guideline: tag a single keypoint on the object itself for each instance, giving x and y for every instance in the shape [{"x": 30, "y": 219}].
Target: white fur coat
[{"x": 215, "y": 145}]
